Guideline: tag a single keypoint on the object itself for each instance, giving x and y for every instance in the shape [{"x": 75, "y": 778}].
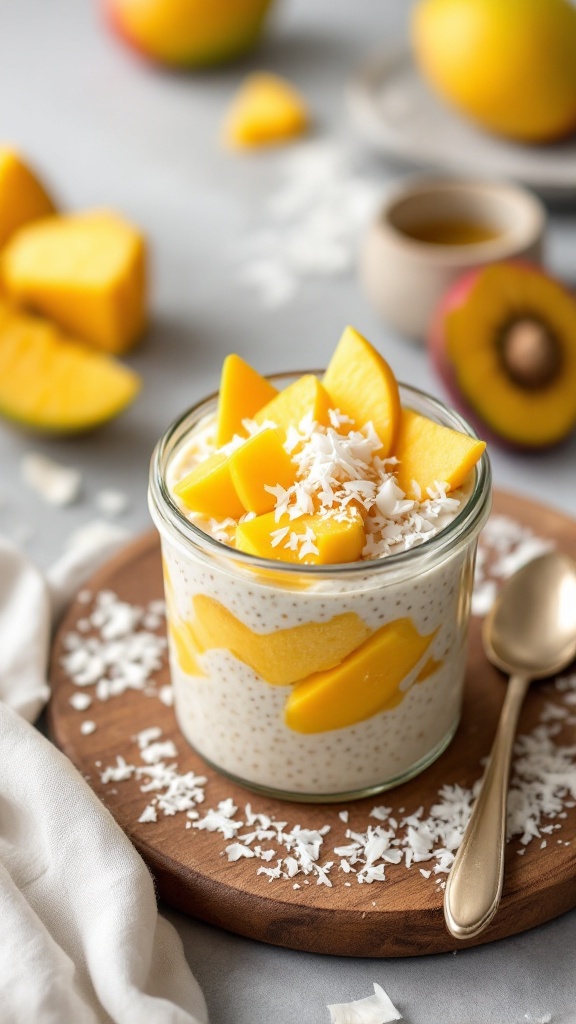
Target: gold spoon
[{"x": 529, "y": 633}]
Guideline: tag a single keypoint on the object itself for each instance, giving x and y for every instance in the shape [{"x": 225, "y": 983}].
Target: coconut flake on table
[
  {"x": 57, "y": 485},
  {"x": 505, "y": 546},
  {"x": 376, "y": 1009},
  {"x": 311, "y": 223},
  {"x": 111, "y": 502}
]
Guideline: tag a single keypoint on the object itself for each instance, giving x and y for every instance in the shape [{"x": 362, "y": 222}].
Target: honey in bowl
[{"x": 451, "y": 231}]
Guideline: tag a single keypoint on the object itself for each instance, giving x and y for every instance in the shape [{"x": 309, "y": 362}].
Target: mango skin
[
  {"x": 188, "y": 33},
  {"x": 510, "y": 65}
]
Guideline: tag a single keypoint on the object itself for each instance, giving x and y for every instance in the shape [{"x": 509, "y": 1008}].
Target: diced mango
[
  {"x": 361, "y": 385},
  {"x": 286, "y": 655},
  {"x": 266, "y": 109},
  {"x": 242, "y": 393},
  {"x": 262, "y": 460},
  {"x": 364, "y": 684},
  {"x": 209, "y": 490},
  {"x": 185, "y": 648},
  {"x": 86, "y": 271},
  {"x": 50, "y": 382},
  {"x": 22, "y": 197},
  {"x": 334, "y": 541},
  {"x": 288, "y": 408},
  {"x": 429, "y": 452}
]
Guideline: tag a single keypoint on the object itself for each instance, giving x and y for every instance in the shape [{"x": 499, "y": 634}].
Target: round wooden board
[{"x": 400, "y": 917}]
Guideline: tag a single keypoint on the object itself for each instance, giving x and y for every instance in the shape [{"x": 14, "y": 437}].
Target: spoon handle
[{"x": 474, "y": 887}]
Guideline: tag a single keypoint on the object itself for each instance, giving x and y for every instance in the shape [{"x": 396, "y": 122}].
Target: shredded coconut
[
  {"x": 56, "y": 484},
  {"x": 112, "y": 503},
  {"x": 87, "y": 727},
  {"x": 376, "y": 1009}
]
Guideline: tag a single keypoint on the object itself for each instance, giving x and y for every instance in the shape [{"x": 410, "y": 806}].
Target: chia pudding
[{"x": 249, "y": 636}]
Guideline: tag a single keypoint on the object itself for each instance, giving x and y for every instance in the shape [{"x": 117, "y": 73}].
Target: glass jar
[{"x": 248, "y": 635}]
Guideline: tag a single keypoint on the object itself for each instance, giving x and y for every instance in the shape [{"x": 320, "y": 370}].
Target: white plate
[{"x": 399, "y": 115}]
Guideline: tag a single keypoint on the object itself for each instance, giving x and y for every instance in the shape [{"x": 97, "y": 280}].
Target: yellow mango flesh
[
  {"x": 22, "y": 197},
  {"x": 261, "y": 461},
  {"x": 185, "y": 648},
  {"x": 266, "y": 109},
  {"x": 429, "y": 452},
  {"x": 364, "y": 684},
  {"x": 51, "y": 383},
  {"x": 428, "y": 669},
  {"x": 336, "y": 541},
  {"x": 288, "y": 408},
  {"x": 361, "y": 385},
  {"x": 86, "y": 271},
  {"x": 284, "y": 656},
  {"x": 209, "y": 490},
  {"x": 242, "y": 393}
]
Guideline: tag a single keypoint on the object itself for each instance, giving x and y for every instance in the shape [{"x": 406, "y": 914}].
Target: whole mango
[
  {"x": 510, "y": 65},
  {"x": 188, "y": 33}
]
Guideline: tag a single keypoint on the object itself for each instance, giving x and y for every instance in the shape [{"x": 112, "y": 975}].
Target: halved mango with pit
[
  {"x": 243, "y": 391},
  {"x": 87, "y": 271},
  {"x": 306, "y": 395},
  {"x": 261, "y": 461},
  {"x": 286, "y": 655},
  {"x": 22, "y": 197},
  {"x": 364, "y": 684},
  {"x": 209, "y": 490},
  {"x": 361, "y": 385},
  {"x": 429, "y": 452},
  {"x": 308, "y": 540}
]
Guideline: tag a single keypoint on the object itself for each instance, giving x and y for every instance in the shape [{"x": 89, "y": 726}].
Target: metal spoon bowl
[{"x": 530, "y": 633}]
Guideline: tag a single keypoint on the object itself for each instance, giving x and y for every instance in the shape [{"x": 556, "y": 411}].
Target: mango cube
[
  {"x": 86, "y": 271},
  {"x": 243, "y": 392},
  {"x": 261, "y": 461},
  {"x": 429, "y": 452},
  {"x": 22, "y": 197},
  {"x": 361, "y": 385},
  {"x": 365, "y": 683},
  {"x": 306, "y": 395},
  {"x": 321, "y": 540},
  {"x": 285, "y": 655},
  {"x": 209, "y": 490},
  {"x": 266, "y": 109}
]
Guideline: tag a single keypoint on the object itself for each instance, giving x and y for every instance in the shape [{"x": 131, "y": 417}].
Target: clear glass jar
[{"x": 245, "y": 633}]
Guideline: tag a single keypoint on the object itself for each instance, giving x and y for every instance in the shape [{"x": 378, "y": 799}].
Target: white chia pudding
[{"x": 233, "y": 716}]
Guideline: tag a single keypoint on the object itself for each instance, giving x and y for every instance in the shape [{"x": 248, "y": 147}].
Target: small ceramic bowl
[{"x": 430, "y": 231}]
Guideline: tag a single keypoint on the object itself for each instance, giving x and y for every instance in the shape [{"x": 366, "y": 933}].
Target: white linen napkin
[{"x": 81, "y": 941}]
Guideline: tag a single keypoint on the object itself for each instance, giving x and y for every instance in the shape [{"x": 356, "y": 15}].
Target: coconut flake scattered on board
[
  {"x": 112, "y": 503},
  {"x": 56, "y": 484},
  {"x": 376, "y": 1009},
  {"x": 505, "y": 546}
]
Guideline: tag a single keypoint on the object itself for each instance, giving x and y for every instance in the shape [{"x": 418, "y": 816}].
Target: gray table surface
[{"x": 107, "y": 129}]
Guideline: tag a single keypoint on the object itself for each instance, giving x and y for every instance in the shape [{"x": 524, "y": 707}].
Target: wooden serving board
[{"x": 399, "y": 917}]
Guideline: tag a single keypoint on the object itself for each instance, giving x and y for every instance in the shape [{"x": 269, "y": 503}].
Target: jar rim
[{"x": 164, "y": 509}]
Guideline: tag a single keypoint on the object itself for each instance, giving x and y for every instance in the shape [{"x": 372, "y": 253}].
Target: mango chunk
[
  {"x": 428, "y": 669},
  {"x": 364, "y": 684},
  {"x": 22, "y": 197},
  {"x": 361, "y": 385},
  {"x": 286, "y": 655},
  {"x": 261, "y": 461},
  {"x": 185, "y": 648},
  {"x": 209, "y": 490},
  {"x": 288, "y": 408},
  {"x": 51, "y": 383},
  {"x": 86, "y": 271},
  {"x": 428, "y": 452},
  {"x": 332, "y": 541},
  {"x": 242, "y": 393},
  {"x": 266, "y": 109}
]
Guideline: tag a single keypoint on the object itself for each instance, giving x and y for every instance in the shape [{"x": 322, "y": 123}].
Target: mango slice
[
  {"x": 209, "y": 490},
  {"x": 286, "y": 655},
  {"x": 261, "y": 461},
  {"x": 336, "y": 541},
  {"x": 428, "y": 452},
  {"x": 288, "y": 408},
  {"x": 52, "y": 383},
  {"x": 266, "y": 109},
  {"x": 182, "y": 637},
  {"x": 86, "y": 271},
  {"x": 361, "y": 385},
  {"x": 242, "y": 393},
  {"x": 428, "y": 669},
  {"x": 365, "y": 683},
  {"x": 22, "y": 197}
]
